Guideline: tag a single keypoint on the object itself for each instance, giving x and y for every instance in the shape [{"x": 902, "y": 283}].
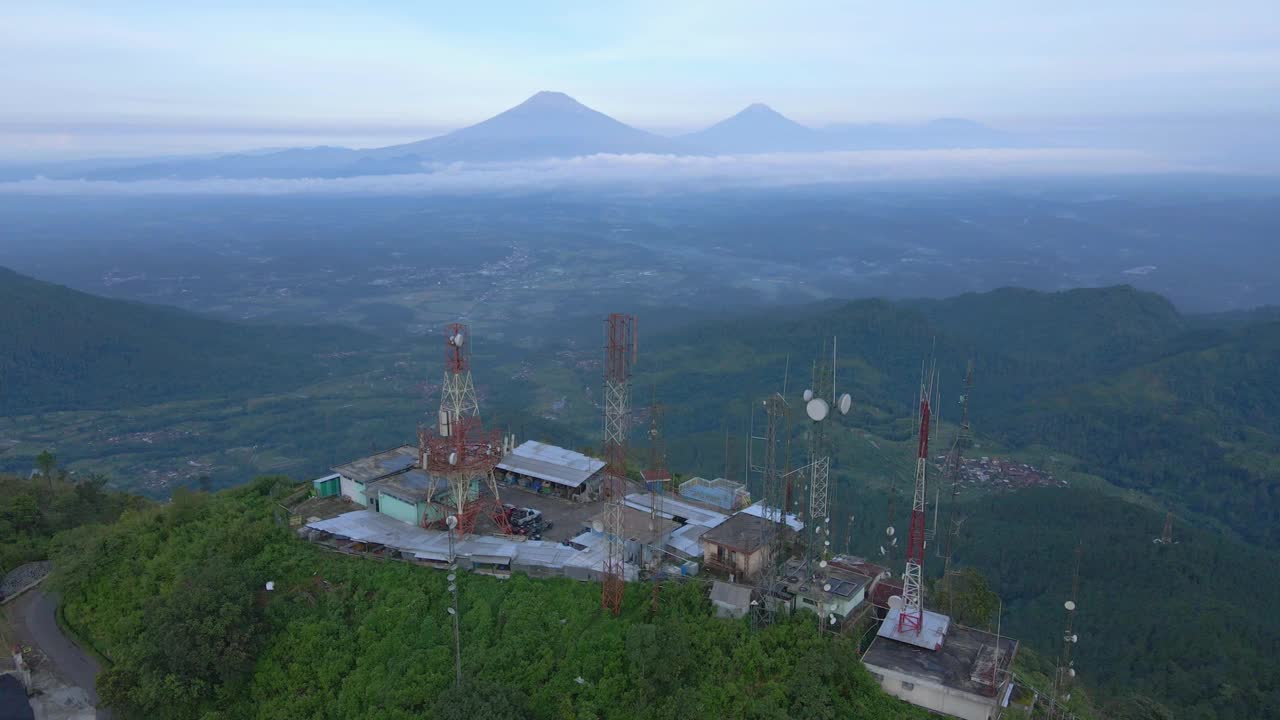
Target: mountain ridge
[{"x": 546, "y": 125}]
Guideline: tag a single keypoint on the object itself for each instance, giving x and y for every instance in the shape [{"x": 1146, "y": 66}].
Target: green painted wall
[
  {"x": 398, "y": 509},
  {"x": 328, "y": 488}
]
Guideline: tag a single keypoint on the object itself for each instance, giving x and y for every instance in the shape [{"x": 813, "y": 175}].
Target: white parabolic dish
[
  {"x": 817, "y": 409},
  {"x": 895, "y": 602}
]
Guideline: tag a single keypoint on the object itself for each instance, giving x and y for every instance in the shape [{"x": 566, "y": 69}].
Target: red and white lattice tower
[
  {"x": 911, "y": 618},
  {"x": 460, "y": 449},
  {"x": 620, "y": 355}
]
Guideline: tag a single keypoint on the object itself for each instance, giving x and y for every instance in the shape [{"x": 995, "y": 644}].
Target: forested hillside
[
  {"x": 64, "y": 349},
  {"x": 175, "y": 597},
  {"x": 1182, "y": 410}
]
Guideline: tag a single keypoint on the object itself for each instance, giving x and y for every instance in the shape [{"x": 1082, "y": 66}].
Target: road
[{"x": 33, "y": 622}]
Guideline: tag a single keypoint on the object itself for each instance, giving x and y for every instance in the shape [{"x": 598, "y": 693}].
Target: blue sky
[{"x": 83, "y": 77}]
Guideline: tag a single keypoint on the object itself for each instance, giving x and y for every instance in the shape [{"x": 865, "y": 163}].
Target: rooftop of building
[
  {"x": 375, "y": 467},
  {"x": 731, "y": 594},
  {"x": 682, "y": 510},
  {"x": 412, "y": 486},
  {"x": 966, "y": 660},
  {"x": 758, "y": 509},
  {"x": 550, "y": 463},
  {"x": 638, "y": 525},
  {"x": 829, "y": 583},
  {"x": 743, "y": 532},
  {"x": 859, "y": 565}
]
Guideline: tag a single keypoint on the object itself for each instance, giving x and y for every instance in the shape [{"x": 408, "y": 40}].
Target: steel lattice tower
[
  {"x": 620, "y": 355},
  {"x": 963, "y": 441},
  {"x": 460, "y": 449},
  {"x": 817, "y": 516},
  {"x": 772, "y": 506},
  {"x": 657, "y": 466},
  {"x": 1066, "y": 666},
  {"x": 911, "y": 617}
]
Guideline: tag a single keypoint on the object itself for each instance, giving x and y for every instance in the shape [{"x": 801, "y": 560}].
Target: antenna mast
[
  {"x": 620, "y": 355},
  {"x": 963, "y": 441},
  {"x": 911, "y": 618},
  {"x": 657, "y": 475},
  {"x": 1066, "y": 666},
  {"x": 460, "y": 449},
  {"x": 772, "y": 531}
]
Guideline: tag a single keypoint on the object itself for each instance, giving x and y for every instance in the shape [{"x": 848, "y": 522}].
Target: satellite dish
[
  {"x": 453, "y": 458},
  {"x": 826, "y": 587},
  {"x": 450, "y": 610},
  {"x": 452, "y": 587},
  {"x": 889, "y": 531},
  {"x": 817, "y": 409},
  {"x": 1071, "y": 672},
  {"x": 808, "y": 395},
  {"x": 451, "y": 521},
  {"x": 833, "y": 619},
  {"x": 822, "y": 563},
  {"x": 1070, "y": 605},
  {"x": 882, "y": 550},
  {"x": 457, "y": 340},
  {"x": 451, "y": 577},
  {"x": 597, "y": 526},
  {"x": 846, "y": 402},
  {"x": 1075, "y": 638},
  {"x": 271, "y": 584},
  {"x": 894, "y": 543},
  {"x": 895, "y": 602}
]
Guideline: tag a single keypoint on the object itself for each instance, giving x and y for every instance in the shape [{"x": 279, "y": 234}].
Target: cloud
[{"x": 651, "y": 173}]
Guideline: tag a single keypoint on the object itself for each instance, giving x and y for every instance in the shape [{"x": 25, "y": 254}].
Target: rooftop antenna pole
[
  {"x": 452, "y": 523},
  {"x": 620, "y": 355},
  {"x": 911, "y": 615}
]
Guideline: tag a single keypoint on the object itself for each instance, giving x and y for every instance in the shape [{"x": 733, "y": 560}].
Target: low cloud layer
[{"x": 653, "y": 173}]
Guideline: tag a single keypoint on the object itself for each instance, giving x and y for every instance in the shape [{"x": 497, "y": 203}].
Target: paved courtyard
[{"x": 567, "y": 517}]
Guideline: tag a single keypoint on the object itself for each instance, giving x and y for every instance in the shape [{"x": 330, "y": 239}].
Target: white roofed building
[{"x": 546, "y": 468}]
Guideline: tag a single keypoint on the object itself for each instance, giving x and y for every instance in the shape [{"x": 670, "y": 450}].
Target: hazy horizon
[{"x": 157, "y": 79}]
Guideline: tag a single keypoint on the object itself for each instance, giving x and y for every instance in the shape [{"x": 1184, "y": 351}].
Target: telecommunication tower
[
  {"x": 656, "y": 477},
  {"x": 1066, "y": 666},
  {"x": 765, "y": 464},
  {"x": 911, "y": 618},
  {"x": 963, "y": 441},
  {"x": 620, "y": 355},
  {"x": 1166, "y": 535},
  {"x": 460, "y": 449},
  {"x": 817, "y": 516}
]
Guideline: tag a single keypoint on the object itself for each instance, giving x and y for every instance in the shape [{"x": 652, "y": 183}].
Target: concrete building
[
  {"x": 736, "y": 546},
  {"x": 546, "y": 468},
  {"x": 355, "y": 477},
  {"x": 947, "y": 668},
  {"x": 644, "y": 539},
  {"x": 836, "y": 593},
  {"x": 413, "y": 496}
]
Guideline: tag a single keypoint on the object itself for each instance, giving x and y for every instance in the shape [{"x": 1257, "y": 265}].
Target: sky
[{"x": 142, "y": 77}]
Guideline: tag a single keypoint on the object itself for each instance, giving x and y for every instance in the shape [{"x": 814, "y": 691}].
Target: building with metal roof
[
  {"x": 730, "y": 600},
  {"x": 357, "y": 475},
  {"x": 571, "y": 474}
]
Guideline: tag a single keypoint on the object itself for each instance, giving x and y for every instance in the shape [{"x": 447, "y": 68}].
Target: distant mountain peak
[{"x": 551, "y": 100}]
